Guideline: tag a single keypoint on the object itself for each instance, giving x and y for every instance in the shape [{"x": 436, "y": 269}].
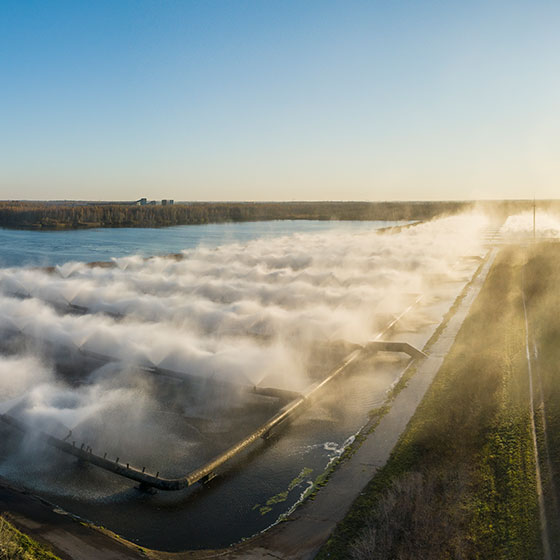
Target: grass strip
[
  {"x": 14, "y": 545},
  {"x": 542, "y": 274}
]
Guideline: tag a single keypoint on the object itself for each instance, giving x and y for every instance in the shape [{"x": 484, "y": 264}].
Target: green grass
[
  {"x": 542, "y": 276},
  {"x": 460, "y": 482},
  {"x": 283, "y": 496},
  {"x": 14, "y": 545}
]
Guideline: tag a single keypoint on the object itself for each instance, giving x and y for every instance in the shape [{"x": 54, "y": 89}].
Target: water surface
[{"x": 49, "y": 248}]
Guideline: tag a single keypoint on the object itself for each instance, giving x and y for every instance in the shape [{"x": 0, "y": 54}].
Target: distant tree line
[{"x": 71, "y": 215}]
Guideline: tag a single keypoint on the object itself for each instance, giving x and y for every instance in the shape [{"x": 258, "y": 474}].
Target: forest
[{"x": 75, "y": 215}]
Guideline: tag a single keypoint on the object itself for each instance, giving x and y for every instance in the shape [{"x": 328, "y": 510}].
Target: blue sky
[{"x": 262, "y": 100}]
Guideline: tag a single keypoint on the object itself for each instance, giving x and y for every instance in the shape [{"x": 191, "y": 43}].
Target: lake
[{"x": 49, "y": 248}]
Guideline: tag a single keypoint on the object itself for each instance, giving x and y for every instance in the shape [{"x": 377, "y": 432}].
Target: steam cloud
[
  {"x": 244, "y": 314},
  {"x": 546, "y": 225}
]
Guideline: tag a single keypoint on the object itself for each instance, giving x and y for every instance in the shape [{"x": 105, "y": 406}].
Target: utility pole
[{"x": 534, "y": 213}]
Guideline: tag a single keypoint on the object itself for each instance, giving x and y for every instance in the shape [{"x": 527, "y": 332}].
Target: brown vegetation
[{"x": 412, "y": 502}]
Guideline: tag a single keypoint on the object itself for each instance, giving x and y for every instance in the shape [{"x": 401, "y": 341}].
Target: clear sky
[{"x": 279, "y": 100}]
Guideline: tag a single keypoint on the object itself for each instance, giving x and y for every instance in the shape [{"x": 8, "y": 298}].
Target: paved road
[{"x": 67, "y": 537}]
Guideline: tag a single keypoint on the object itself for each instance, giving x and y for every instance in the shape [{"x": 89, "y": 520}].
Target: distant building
[
  {"x": 167, "y": 202},
  {"x": 142, "y": 202}
]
